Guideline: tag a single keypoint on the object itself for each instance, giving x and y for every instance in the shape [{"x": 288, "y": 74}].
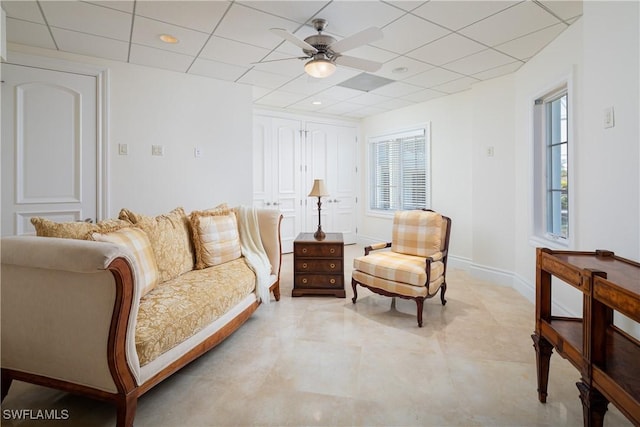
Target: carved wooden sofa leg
[
  {"x": 6, "y": 383},
  {"x": 126, "y": 409}
]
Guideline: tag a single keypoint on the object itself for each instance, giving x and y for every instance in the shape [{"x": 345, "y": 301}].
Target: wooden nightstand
[{"x": 318, "y": 266}]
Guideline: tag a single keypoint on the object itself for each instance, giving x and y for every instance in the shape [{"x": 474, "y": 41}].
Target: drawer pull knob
[
  {"x": 332, "y": 265},
  {"x": 332, "y": 281},
  {"x": 332, "y": 250},
  {"x": 304, "y": 250},
  {"x": 304, "y": 265},
  {"x": 304, "y": 280}
]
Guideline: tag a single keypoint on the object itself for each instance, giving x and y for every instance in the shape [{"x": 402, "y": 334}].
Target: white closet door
[
  {"x": 49, "y": 149},
  {"x": 276, "y": 172},
  {"x": 331, "y": 154}
]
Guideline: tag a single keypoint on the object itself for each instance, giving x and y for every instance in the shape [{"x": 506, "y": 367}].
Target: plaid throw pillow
[{"x": 215, "y": 238}]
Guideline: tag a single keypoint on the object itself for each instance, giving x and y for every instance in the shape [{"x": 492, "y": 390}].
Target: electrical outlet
[
  {"x": 608, "y": 120},
  {"x": 157, "y": 150},
  {"x": 489, "y": 151},
  {"x": 197, "y": 152},
  {"x": 123, "y": 150}
]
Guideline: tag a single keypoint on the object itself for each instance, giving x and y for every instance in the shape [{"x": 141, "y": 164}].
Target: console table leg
[
  {"x": 543, "y": 356},
  {"x": 594, "y": 405}
]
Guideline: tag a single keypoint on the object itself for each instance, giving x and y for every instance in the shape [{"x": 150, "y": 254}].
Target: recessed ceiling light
[
  {"x": 168, "y": 38},
  {"x": 316, "y": 102},
  {"x": 400, "y": 70}
]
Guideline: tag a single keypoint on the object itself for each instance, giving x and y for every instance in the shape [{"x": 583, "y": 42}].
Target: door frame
[{"x": 101, "y": 75}]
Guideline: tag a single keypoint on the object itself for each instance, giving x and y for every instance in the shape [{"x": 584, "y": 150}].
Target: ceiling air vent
[{"x": 365, "y": 82}]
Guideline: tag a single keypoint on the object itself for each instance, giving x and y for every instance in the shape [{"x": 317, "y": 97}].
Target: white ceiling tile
[
  {"x": 341, "y": 93},
  {"x": 407, "y": 5},
  {"x": 396, "y": 89},
  {"x": 232, "y": 52},
  {"x": 90, "y": 45},
  {"x": 423, "y": 95},
  {"x": 197, "y": 15},
  {"x": 217, "y": 70},
  {"x": 25, "y": 10},
  {"x": 446, "y": 49},
  {"x": 259, "y": 92},
  {"x": 400, "y": 36},
  {"x": 298, "y": 11},
  {"x": 123, "y": 5},
  {"x": 478, "y": 62},
  {"x": 458, "y": 14},
  {"x": 158, "y": 58},
  {"x": 394, "y": 104},
  {"x": 314, "y": 103},
  {"x": 88, "y": 18},
  {"x": 456, "y": 85},
  {"x": 279, "y": 98},
  {"x": 527, "y": 46},
  {"x": 368, "y": 98},
  {"x": 372, "y": 53},
  {"x": 264, "y": 79},
  {"x": 367, "y": 111},
  {"x": 498, "y": 71},
  {"x": 433, "y": 77},
  {"x": 252, "y": 26},
  {"x": 390, "y": 70},
  {"x": 306, "y": 85},
  {"x": 509, "y": 24},
  {"x": 147, "y": 32},
  {"x": 564, "y": 9},
  {"x": 349, "y": 17},
  {"x": 277, "y": 64},
  {"x": 341, "y": 108},
  {"x": 29, "y": 33}
]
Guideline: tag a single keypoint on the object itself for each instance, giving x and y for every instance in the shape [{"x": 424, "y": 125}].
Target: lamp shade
[
  {"x": 319, "y": 68},
  {"x": 319, "y": 189}
]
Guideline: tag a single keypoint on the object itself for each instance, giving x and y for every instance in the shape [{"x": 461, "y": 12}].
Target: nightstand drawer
[
  {"x": 318, "y": 265},
  {"x": 318, "y": 250},
  {"x": 316, "y": 281}
]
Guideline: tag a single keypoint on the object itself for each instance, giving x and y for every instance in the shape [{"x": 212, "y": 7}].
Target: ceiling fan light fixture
[{"x": 319, "y": 68}]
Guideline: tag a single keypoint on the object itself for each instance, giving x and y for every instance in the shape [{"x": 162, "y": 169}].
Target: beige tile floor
[{"x": 324, "y": 361}]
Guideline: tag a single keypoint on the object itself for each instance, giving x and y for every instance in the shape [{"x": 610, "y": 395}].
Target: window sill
[{"x": 545, "y": 242}]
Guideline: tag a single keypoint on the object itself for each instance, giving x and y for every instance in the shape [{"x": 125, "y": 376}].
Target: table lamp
[{"x": 319, "y": 190}]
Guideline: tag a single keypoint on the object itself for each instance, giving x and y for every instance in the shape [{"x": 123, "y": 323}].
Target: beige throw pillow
[
  {"x": 169, "y": 236},
  {"x": 74, "y": 229},
  {"x": 215, "y": 237},
  {"x": 137, "y": 241}
]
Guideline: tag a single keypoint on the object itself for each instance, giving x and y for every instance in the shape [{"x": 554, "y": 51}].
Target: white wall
[
  {"x": 451, "y": 164},
  {"x": 489, "y": 198},
  {"x": 178, "y": 111}
]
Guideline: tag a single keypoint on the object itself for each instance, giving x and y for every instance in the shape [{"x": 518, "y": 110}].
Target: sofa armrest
[
  {"x": 269, "y": 222},
  {"x": 68, "y": 311}
]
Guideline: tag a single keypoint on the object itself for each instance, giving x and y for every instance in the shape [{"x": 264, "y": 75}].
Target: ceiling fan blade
[
  {"x": 356, "y": 40},
  {"x": 293, "y": 39},
  {"x": 359, "y": 63}
]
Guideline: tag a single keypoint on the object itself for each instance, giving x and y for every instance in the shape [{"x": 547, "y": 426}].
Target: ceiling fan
[{"x": 324, "y": 51}]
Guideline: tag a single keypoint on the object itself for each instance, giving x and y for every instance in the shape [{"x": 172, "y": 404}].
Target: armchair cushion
[
  {"x": 417, "y": 233},
  {"x": 396, "y": 267}
]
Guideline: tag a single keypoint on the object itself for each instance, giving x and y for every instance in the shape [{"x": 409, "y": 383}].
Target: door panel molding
[{"x": 102, "y": 77}]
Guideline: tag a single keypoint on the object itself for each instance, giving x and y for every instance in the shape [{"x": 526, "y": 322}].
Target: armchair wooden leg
[
  {"x": 355, "y": 292},
  {"x": 420, "y": 304},
  {"x": 443, "y": 289}
]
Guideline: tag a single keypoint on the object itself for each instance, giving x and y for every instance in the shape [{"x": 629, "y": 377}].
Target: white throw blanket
[{"x": 253, "y": 250}]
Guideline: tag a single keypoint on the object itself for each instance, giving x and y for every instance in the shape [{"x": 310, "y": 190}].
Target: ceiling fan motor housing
[{"x": 321, "y": 42}]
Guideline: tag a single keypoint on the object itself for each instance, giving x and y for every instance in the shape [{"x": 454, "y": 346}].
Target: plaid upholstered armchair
[{"x": 414, "y": 266}]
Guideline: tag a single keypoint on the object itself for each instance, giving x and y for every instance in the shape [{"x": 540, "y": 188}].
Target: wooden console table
[{"x": 608, "y": 358}]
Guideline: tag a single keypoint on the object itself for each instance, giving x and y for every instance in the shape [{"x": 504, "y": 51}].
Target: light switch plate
[
  {"x": 157, "y": 150},
  {"x": 608, "y": 119},
  {"x": 123, "y": 149}
]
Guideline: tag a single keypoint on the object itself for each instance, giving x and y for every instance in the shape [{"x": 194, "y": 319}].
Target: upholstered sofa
[{"x": 86, "y": 310}]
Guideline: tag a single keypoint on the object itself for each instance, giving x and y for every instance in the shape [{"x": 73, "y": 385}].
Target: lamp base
[{"x": 319, "y": 234}]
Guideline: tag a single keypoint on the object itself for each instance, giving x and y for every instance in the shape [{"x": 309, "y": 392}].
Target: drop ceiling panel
[
  {"x": 459, "y": 14},
  {"x": 196, "y": 15},
  {"x": 400, "y": 36},
  {"x": 402, "y": 67},
  {"x": 423, "y": 95},
  {"x": 29, "y": 34},
  {"x": 279, "y": 99},
  {"x": 217, "y": 70},
  {"x": 158, "y": 58},
  {"x": 564, "y": 9},
  {"x": 27, "y": 11},
  {"x": 122, "y": 5},
  {"x": 498, "y": 71},
  {"x": 396, "y": 89},
  {"x": 514, "y": 22},
  {"x": 252, "y": 26},
  {"x": 527, "y": 46},
  {"x": 433, "y": 77},
  {"x": 349, "y": 17},
  {"x": 232, "y": 52},
  {"x": 147, "y": 32},
  {"x": 88, "y": 18},
  {"x": 87, "y": 44},
  {"x": 297, "y": 11},
  {"x": 479, "y": 62},
  {"x": 446, "y": 49},
  {"x": 264, "y": 79},
  {"x": 456, "y": 85}
]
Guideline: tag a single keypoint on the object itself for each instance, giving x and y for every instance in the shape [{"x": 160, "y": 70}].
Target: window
[
  {"x": 399, "y": 166},
  {"x": 551, "y": 166}
]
